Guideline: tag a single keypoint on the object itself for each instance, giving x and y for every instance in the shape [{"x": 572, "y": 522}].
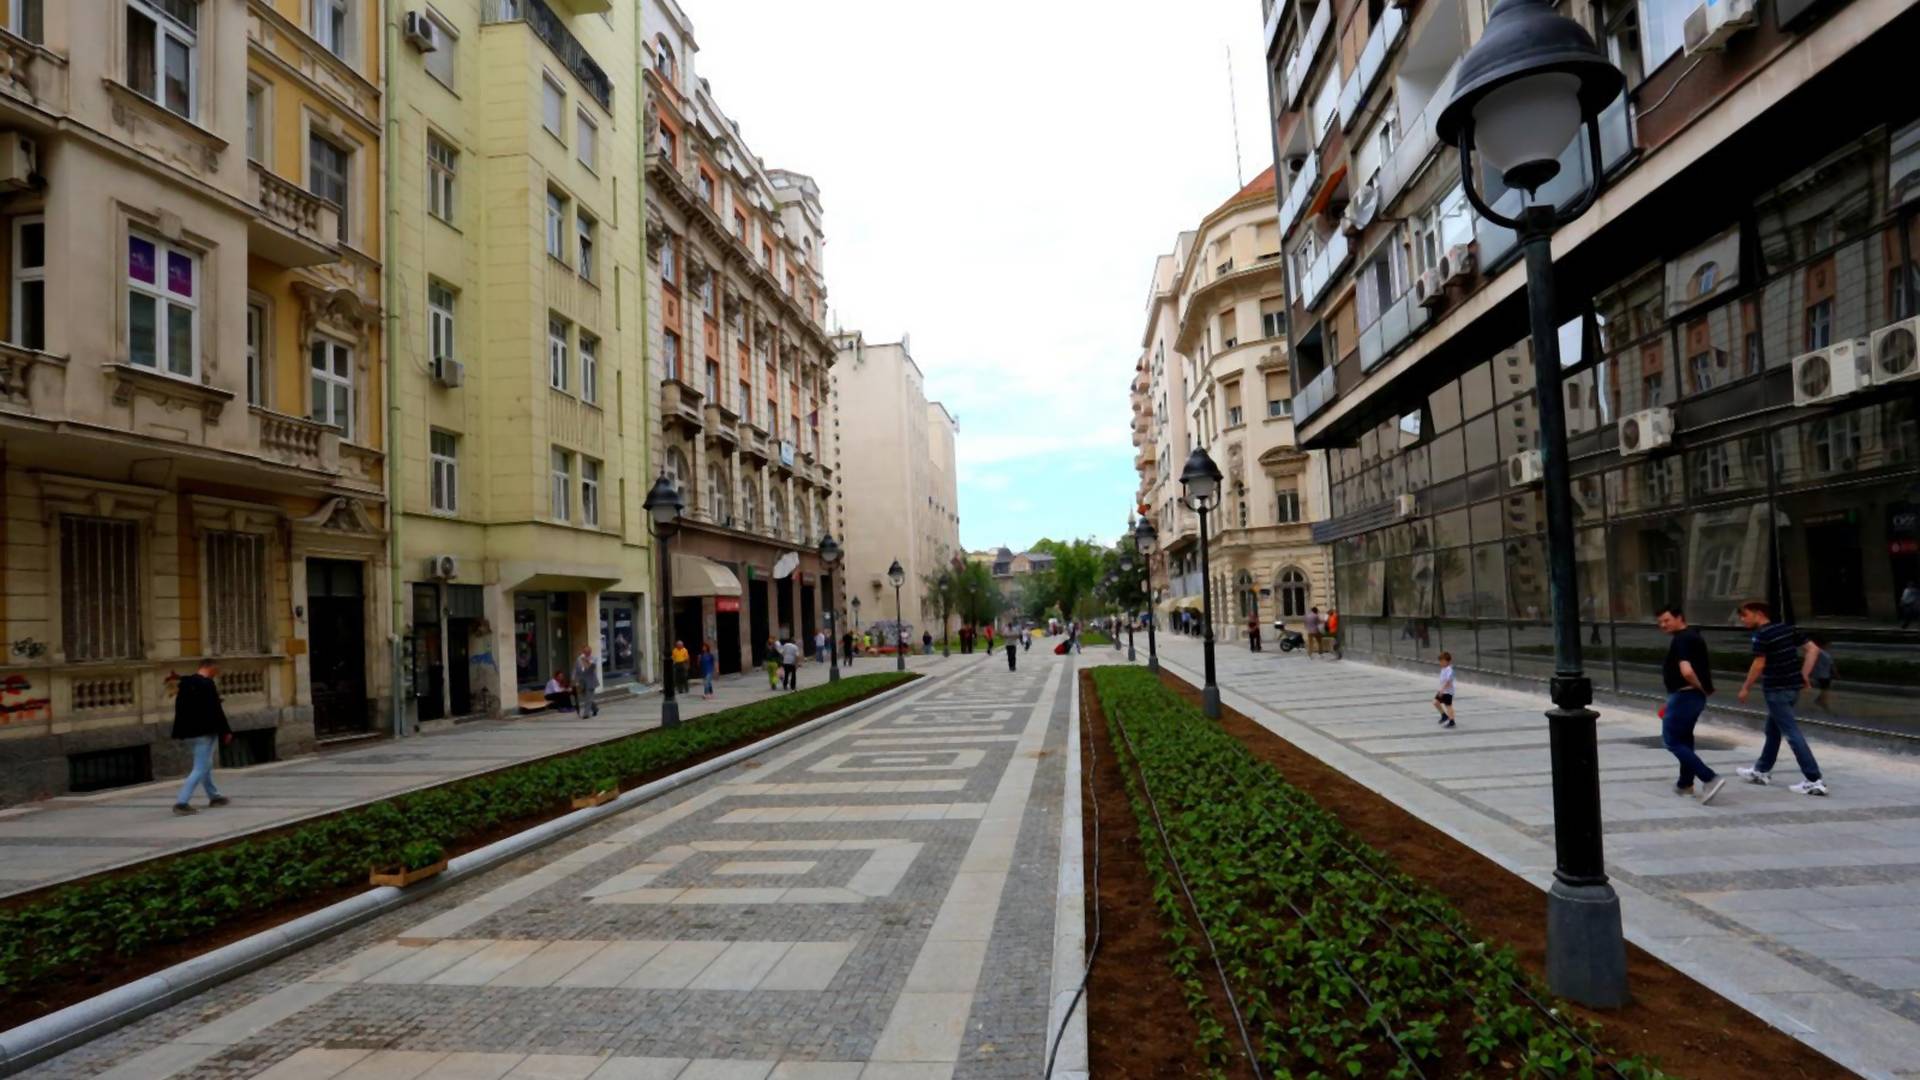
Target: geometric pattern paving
[{"x": 872, "y": 900}]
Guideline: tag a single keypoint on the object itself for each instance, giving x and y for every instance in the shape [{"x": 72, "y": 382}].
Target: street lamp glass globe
[
  {"x": 1200, "y": 480},
  {"x": 1522, "y": 126},
  {"x": 896, "y": 575},
  {"x": 663, "y": 502},
  {"x": 1126, "y": 560},
  {"x": 829, "y": 550},
  {"x": 1144, "y": 537}
]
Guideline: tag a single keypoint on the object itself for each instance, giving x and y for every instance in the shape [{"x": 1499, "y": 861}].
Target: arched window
[
  {"x": 820, "y": 519},
  {"x": 716, "y": 495},
  {"x": 663, "y": 57},
  {"x": 1249, "y": 602},
  {"x": 749, "y": 508},
  {"x": 680, "y": 474},
  {"x": 776, "y": 514},
  {"x": 1293, "y": 592}
]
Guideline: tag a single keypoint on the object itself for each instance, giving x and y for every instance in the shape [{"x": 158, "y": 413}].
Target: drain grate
[{"x": 1700, "y": 742}]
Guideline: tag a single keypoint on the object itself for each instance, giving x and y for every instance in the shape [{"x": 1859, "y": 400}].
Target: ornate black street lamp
[
  {"x": 1200, "y": 490},
  {"x": 899, "y": 578},
  {"x": 829, "y": 556},
  {"x": 1144, "y": 537},
  {"x": 855, "y": 603},
  {"x": 663, "y": 504},
  {"x": 1522, "y": 95},
  {"x": 1126, "y": 570},
  {"x": 946, "y": 584}
]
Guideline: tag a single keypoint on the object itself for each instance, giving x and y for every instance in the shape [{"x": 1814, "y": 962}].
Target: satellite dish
[{"x": 786, "y": 565}]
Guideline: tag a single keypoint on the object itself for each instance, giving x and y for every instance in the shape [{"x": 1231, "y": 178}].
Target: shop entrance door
[
  {"x": 1834, "y": 582},
  {"x": 337, "y": 660},
  {"x": 758, "y": 628},
  {"x": 726, "y": 621}
]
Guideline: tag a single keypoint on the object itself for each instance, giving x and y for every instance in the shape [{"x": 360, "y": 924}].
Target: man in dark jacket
[{"x": 198, "y": 715}]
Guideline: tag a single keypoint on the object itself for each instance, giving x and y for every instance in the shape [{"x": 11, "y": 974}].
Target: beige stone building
[
  {"x": 1214, "y": 370},
  {"x": 736, "y": 295},
  {"x": 192, "y": 411},
  {"x": 899, "y": 489}
]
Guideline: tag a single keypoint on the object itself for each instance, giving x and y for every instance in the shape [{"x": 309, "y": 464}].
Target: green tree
[
  {"x": 1077, "y": 568},
  {"x": 940, "y": 591},
  {"x": 977, "y": 594}
]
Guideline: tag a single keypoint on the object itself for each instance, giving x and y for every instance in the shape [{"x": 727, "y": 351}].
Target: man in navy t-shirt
[
  {"x": 1783, "y": 663},
  {"x": 1689, "y": 679}
]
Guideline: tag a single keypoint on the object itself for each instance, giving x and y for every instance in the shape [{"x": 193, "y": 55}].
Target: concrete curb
[
  {"x": 1070, "y": 917},
  {"x": 84, "y": 1021}
]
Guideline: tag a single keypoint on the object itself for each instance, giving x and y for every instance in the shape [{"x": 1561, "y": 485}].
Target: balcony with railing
[
  {"x": 1394, "y": 328},
  {"x": 681, "y": 403},
  {"x": 27, "y": 375},
  {"x": 1326, "y": 268},
  {"x": 1418, "y": 142},
  {"x": 551, "y": 28},
  {"x": 32, "y": 74},
  {"x": 1315, "y": 394},
  {"x": 296, "y": 440},
  {"x": 1300, "y": 60},
  {"x": 294, "y": 227},
  {"x": 1301, "y": 190},
  {"x": 1372, "y": 61}
]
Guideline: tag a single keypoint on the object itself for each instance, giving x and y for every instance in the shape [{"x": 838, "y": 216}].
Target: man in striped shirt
[{"x": 1782, "y": 663}]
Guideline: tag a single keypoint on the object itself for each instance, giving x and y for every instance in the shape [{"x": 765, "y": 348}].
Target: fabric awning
[
  {"x": 694, "y": 576},
  {"x": 1181, "y": 603}
]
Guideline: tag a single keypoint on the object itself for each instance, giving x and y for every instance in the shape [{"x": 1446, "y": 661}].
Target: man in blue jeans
[
  {"x": 1689, "y": 679},
  {"x": 198, "y": 715},
  {"x": 1783, "y": 662}
]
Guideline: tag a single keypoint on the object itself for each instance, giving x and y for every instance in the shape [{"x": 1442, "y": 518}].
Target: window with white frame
[
  {"x": 256, "y": 353},
  {"x": 443, "y": 166},
  {"x": 589, "y": 368},
  {"x": 557, "y": 225},
  {"x": 29, "y": 293},
  {"x": 100, "y": 588},
  {"x": 1445, "y": 224},
  {"x": 331, "y": 364},
  {"x": 553, "y": 107},
  {"x": 328, "y": 169},
  {"x": 589, "y": 492},
  {"x": 557, "y": 365},
  {"x": 560, "y": 489},
  {"x": 163, "y": 52},
  {"x": 443, "y": 457},
  {"x": 28, "y": 20},
  {"x": 259, "y": 121},
  {"x": 441, "y": 62},
  {"x": 749, "y": 506},
  {"x": 237, "y": 589},
  {"x": 1286, "y": 504},
  {"x": 670, "y": 353},
  {"x": 669, "y": 261},
  {"x": 440, "y": 301},
  {"x": 333, "y": 26},
  {"x": 584, "y": 228},
  {"x": 586, "y": 144},
  {"x": 163, "y": 306}
]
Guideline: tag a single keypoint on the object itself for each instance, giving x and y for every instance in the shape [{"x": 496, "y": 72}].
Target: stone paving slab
[
  {"x": 1805, "y": 911},
  {"x": 935, "y": 963},
  {"x": 69, "y": 836}
]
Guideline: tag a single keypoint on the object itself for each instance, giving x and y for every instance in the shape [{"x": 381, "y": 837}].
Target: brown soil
[
  {"x": 51, "y": 997},
  {"x": 1673, "y": 1019},
  {"x": 1138, "y": 1026}
]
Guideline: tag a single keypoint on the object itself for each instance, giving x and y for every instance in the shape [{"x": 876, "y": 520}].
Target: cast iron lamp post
[
  {"x": 1523, "y": 93},
  {"x": 899, "y": 578},
  {"x": 946, "y": 583},
  {"x": 1200, "y": 490},
  {"x": 1126, "y": 568},
  {"x": 1144, "y": 537},
  {"x": 663, "y": 505},
  {"x": 829, "y": 556},
  {"x": 855, "y": 602}
]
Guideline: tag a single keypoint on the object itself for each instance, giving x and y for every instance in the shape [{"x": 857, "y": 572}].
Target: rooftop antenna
[{"x": 1233, "y": 104}]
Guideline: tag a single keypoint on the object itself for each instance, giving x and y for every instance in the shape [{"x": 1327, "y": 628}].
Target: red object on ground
[{"x": 1060, "y": 649}]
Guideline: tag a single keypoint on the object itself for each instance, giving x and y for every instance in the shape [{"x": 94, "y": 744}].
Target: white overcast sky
[{"x": 997, "y": 178}]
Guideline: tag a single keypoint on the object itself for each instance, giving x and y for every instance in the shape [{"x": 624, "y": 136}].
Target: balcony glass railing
[
  {"x": 1396, "y": 324},
  {"x": 1417, "y": 143},
  {"x": 1314, "y": 395},
  {"x": 1616, "y": 142},
  {"x": 1299, "y": 193},
  {"x": 1373, "y": 60},
  {"x": 1326, "y": 269},
  {"x": 1300, "y": 60}
]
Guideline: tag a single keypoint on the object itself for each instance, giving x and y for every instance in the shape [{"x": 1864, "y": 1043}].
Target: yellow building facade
[
  {"x": 191, "y": 385},
  {"x": 517, "y": 317}
]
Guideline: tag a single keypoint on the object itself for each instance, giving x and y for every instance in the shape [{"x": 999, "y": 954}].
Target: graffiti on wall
[{"x": 19, "y": 704}]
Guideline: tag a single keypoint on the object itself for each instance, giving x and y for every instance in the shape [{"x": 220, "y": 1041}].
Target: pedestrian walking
[
  {"x": 1443, "y": 697},
  {"x": 1013, "y": 653},
  {"x": 1333, "y": 632},
  {"x": 1910, "y": 604},
  {"x": 198, "y": 715},
  {"x": 586, "y": 681},
  {"x": 926, "y": 642},
  {"x": 1783, "y": 663},
  {"x": 1026, "y": 637},
  {"x": 1253, "y": 633},
  {"x": 1688, "y": 675},
  {"x": 1315, "y": 624},
  {"x": 790, "y": 664},
  {"x": 846, "y": 648},
  {"x": 709, "y": 665},
  {"x": 682, "y": 666},
  {"x": 1823, "y": 671},
  {"x": 773, "y": 664},
  {"x": 819, "y": 647}
]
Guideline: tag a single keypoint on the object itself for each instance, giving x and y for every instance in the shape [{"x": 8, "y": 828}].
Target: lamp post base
[
  {"x": 1153, "y": 663},
  {"x": 670, "y": 712},
  {"x": 1210, "y": 702},
  {"x": 1586, "y": 954},
  {"x": 1130, "y": 656},
  {"x": 833, "y": 672}
]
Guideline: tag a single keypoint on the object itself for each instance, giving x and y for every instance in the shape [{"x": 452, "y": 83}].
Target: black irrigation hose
[
  {"x": 1226, "y": 985},
  {"x": 1093, "y": 800}
]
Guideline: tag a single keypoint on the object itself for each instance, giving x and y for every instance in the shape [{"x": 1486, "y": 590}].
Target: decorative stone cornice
[{"x": 130, "y": 382}]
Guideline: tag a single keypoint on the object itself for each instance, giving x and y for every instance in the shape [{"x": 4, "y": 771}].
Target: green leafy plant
[
  {"x": 419, "y": 854},
  {"x": 72, "y": 930},
  {"x": 1342, "y": 964}
]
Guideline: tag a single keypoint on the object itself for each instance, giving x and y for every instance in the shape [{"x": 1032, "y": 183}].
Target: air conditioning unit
[
  {"x": 448, "y": 372},
  {"x": 19, "y": 159},
  {"x": 1712, "y": 24},
  {"x": 1646, "y": 430},
  {"x": 1833, "y": 372},
  {"x": 420, "y": 32},
  {"x": 1525, "y": 469},
  {"x": 443, "y": 567},
  {"x": 1406, "y": 505},
  {"x": 1457, "y": 264},
  {"x": 1429, "y": 290},
  {"x": 1896, "y": 352}
]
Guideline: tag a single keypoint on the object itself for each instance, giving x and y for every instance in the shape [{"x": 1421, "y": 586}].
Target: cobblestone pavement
[
  {"x": 874, "y": 900},
  {"x": 74, "y": 835},
  {"x": 1804, "y": 910}
]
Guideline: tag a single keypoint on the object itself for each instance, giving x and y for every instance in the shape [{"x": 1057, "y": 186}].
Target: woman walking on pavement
[{"x": 708, "y": 662}]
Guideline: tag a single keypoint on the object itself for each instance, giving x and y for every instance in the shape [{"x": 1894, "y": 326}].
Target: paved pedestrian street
[
  {"x": 872, "y": 900},
  {"x": 1805, "y": 911}
]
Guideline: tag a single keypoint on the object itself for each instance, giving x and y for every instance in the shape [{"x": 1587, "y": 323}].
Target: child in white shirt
[{"x": 1443, "y": 700}]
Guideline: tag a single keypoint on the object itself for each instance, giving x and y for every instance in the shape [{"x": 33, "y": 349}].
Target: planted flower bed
[
  {"x": 1340, "y": 964},
  {"x": 63, "y": 943}
]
